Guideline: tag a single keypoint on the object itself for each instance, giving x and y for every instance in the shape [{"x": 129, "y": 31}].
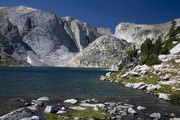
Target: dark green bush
[
  {"x": 133, "y": 53},
  {"x": 175, "y": 97},
  {"x": 172, "y": 36},
  {"x": 149, "y": 52}
]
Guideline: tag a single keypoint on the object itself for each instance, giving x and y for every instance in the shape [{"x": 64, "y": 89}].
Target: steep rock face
[
  {"x": 41, "y": 30},
  {"x": 11, "y": 43},
  {"x": 55, "y": 40},
  {"x": 81, "y": 33},
  {"x": 104, "y": 52},
  {"x": 137, "y": 33}
]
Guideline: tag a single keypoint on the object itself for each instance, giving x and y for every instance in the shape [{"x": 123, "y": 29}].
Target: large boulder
[
  {"x": 176, "y": 49},
  {"x": 17, "y": 114}
]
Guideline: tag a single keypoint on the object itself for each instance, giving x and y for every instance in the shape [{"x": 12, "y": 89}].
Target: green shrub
[
  {"x": 175, "y": 97},
  {"x": 50, "y": 116},
  {"x": 152, "y": 79},
  {"x": 164, "y": 89},
  {"x": 133, "y": 53},
  {"x": 89, "y": 113},
  {"x": 149, "y": 52}
]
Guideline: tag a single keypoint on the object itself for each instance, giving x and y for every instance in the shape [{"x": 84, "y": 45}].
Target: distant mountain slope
[
  {"x": 104, "y": 52},
  {"x": 40, "y": 38},
  {"x": 137, "y": 33},
  {"x": 55, "y": 40}
]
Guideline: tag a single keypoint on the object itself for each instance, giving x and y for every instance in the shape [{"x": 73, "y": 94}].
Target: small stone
[
  {"x": 71, "y": 101},
  {"x": 33, "y": 108},
  {"x": 153, "y": 87},
  {"x": 155, "y": 115},
  {"x": 48, "y": 109},
  {"x": 43, "y": 99},
  {"x": 63, "y": 108},
  {"x": 163, "y": 96},
  {"x": 35, "y": 118},
  {"x": 175, "y": 119},
  {"x": 37, "y": 103},
  {"x": 95, "y": 108},
  {"x": 141, "y": 108},
  {"x": 27, "y": 103},
  {"x": 94, "y": 100},
  {"x": 77, "y": 108},
  {"x": 130, "y": 74},
  {"x": 100, "y": 105},
  {"x": 60, "y": 112},
  {"x": 77, "y": 118},
  {"x": 172, "y": 115},
  {"x": 131, "y": 111}
]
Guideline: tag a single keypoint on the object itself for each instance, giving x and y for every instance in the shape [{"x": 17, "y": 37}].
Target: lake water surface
[{"x": 63, "y": 83}]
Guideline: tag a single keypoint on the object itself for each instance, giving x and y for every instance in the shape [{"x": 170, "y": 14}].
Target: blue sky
[{"x": 107, "y": 13}]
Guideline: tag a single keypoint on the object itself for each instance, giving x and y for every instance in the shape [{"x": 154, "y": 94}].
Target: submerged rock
[{"x": 163, "y": 96}]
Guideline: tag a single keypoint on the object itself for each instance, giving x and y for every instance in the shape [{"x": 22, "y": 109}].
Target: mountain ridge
[{"x": 58, "y": 41}]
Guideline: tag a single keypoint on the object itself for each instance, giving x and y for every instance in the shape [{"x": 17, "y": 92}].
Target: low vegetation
[
  {"x": 85, "y": 114},
  {"x": 150, "y": 78},
  {"x": 8, "y": 61},
  {"x": 150, "y": 51},
  {"x": 164, "y": 89},
  {"x": 50, "y": 116},
  {"x": 89, "y": 113},
  {"x": 175, "y": 97}
]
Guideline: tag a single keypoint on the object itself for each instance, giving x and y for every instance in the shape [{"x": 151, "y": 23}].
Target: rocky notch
[{"x": 81, "y": 33}]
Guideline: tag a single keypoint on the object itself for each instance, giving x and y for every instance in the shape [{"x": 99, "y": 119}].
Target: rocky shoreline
[{"x": 73, "y": 109}]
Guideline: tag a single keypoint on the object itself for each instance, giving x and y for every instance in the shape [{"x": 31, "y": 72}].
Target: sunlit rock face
[
  {"x": 81, "y": 33},
  {"x": 51, "y": 38},
  {"x": 137, "y": 33},
  {"x": 104, "y": 52}
]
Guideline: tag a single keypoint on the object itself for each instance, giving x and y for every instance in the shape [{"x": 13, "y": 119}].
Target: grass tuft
[{"x": 89, "y": 113}]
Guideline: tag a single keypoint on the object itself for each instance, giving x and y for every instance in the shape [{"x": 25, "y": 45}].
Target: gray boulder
[
  {"x": 18, "y": 114},
  {"x": 156, "y": 116}
]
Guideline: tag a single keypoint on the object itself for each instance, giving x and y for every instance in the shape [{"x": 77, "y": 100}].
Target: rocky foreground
[
  {"x": 162, "y": 80},
  {"x": 73, "y": 109}
]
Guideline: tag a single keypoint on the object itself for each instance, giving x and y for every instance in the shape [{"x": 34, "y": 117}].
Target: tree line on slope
[{"x": 150, "y": 51}]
